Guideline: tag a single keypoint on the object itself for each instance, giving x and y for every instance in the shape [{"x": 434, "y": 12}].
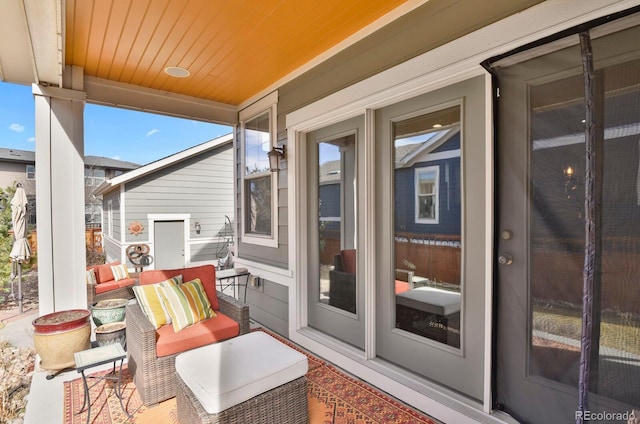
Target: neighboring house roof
[
  {"x": 26, "y": 156},
  {"x": 410, "y": 154},
  {"x": 102, "y": 162},
  {"x": 13, "y": 155},
  {"x": 112, "y": 183},
  {"x": 330, "y": 172}
]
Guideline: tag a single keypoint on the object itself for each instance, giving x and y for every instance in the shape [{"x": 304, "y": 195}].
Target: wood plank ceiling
[{"x": 233, "y": 49}]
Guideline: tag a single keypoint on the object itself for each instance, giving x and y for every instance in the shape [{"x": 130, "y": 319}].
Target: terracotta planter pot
[
  {"x": 108, "y": 311},
  {"x": 57, "y": 336}
]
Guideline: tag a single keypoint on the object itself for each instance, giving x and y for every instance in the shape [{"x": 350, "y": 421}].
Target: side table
[
  {"x": 97, "y": 356},
  {"x": 233, "y": 274}
]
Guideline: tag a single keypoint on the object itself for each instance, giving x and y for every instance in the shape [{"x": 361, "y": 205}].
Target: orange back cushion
[{"x": 206, "y": 274}]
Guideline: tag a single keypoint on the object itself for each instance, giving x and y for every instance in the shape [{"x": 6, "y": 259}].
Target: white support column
[{"x": 60, "y": 198}]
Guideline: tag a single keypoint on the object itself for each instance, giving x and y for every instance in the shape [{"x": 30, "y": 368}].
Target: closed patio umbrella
[{"x": 21, "y": 251}]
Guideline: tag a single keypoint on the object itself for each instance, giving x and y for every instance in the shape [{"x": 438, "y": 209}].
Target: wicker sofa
[
  {"x": 106, "y": 287},
  {"x": 152, "y": 352}
]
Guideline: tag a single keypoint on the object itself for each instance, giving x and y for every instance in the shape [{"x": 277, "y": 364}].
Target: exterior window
[
  {"x": 98, "y": 176},
  {"x": 257, "y": 176},
  {"x": 88, "y": 177},
  {"x": 426, "y": 185},
  {"x": 117, "y": 173},
  {"x": 259, "y": 183},
  {"x": 31, "y": 172}
]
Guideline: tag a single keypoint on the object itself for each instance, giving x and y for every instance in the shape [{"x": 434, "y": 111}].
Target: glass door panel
[
  {"x": 335, "y": 287},
  {"x": 427, "y": 240}
]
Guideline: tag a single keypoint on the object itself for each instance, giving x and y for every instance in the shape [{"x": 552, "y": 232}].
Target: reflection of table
[
  {"x": 435, "y": 305},
  {"x": 233, "y": 274},
  {"x": 92, "y": 358}
]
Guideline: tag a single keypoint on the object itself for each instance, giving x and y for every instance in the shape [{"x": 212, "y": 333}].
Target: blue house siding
[{"x": 449, "y": 195}]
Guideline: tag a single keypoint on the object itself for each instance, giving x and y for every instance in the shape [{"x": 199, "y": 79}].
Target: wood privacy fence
[
  {"x": 92, "y": 238},
  {"x": 433, "y": 256},
  {"x": 557, "y": 273}
]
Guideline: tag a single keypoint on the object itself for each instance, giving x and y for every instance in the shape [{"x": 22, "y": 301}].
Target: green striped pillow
[
  {"x": 186, "y": 303},
  {"x": 150, "y": 300},
  {"x": 120, "y": 272}
]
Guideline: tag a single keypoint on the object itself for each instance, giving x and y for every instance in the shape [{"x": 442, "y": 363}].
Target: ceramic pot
[
  {"x": 57, "y": 336},
  {"x": 114, "y": 332},
  {"x": 108, "y": 311}
]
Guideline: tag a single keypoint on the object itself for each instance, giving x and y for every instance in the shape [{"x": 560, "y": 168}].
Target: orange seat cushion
[
  {"x": 211, "y": 330},
  {"x": 206, "y": 274},
  {"x": 105, "y": 287}
]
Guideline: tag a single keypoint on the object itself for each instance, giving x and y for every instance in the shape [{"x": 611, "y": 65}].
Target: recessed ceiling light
[
  {"x": 176, "y": 71},
  {"x": 437, "y": 125}
]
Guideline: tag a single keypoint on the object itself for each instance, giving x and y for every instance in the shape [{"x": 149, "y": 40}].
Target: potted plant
[
  {"x": 108, "y": 311},
  {"x": 57, "y": 336}
]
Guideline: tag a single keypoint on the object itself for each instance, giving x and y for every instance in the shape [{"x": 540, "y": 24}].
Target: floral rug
[{"x": 334, "y": 398}]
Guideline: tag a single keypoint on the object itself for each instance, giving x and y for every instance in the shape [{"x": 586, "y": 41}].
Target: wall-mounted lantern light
[
  {"x": 198, "y": 227},
  {"x": 275, "y": 155}
]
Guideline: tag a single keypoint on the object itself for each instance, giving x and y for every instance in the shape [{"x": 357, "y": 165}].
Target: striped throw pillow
[
  {"x": 187, "y": 304},
  {"x": 91, "y": 277},
  {"x": 119, "y": 272},
  {"x": 151, "y": 302}
]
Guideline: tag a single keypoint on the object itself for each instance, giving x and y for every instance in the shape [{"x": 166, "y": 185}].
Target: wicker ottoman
[{"x": 252, "y": 378}]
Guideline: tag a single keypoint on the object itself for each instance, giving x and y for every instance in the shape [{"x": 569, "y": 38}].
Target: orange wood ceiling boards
[{"x": 233, "y": 49}]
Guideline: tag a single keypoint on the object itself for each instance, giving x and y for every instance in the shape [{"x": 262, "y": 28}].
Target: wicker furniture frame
[
  {"x": 286, "y": 404},
  {"x": 155, "y": 377},
  {"x": 121, "y": 293}
]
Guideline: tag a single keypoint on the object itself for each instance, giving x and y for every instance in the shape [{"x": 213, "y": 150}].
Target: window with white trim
[
  {"x": 31, "y": 172},
  {"x": 259, "y": 184},
  {"x": 426, "y": 188}
]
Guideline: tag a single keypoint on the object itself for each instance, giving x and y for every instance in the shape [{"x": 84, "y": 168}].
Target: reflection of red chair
[
  {"x": 342, "y": 281},
  {"x": 404, "y": 281}
]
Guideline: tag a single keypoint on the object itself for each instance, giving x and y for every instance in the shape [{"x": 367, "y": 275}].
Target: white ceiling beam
[
  {"x": 45, "y": 25},
  {"x": 128, "y": 96},
  {"x": 16, "y": 55}
]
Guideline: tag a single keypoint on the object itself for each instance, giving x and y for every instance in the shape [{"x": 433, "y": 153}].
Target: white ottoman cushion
[{"x": 224, "y": 374}]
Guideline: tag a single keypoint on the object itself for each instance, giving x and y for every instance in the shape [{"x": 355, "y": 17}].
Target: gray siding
[
  {"x": 201, "y": 186},
  {"x": 112, "y": 251},
  {"x": 203, "y": 252},
  {"x": 268, "y": 306},
  {"x": 16, "y": 172},
  {"x": 114, "y": 197}
]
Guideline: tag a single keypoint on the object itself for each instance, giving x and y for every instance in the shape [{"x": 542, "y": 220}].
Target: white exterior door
[{"x": 169, "y": 244}]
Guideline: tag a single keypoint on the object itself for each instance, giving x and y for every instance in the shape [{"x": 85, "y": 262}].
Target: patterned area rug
[{"x": 334, "y": 398}]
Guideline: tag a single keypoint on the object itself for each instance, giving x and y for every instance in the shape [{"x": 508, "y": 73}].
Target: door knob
[{"x": 505, "y": 259}]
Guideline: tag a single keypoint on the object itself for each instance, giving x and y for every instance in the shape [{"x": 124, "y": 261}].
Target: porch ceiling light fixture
[
  {"x": 275, "y": 154},
  {"x": 176, "y": 71}
]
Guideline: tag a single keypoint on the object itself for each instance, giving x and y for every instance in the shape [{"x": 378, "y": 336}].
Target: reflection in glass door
[
  {"x": 427, "y": 240},
  {"x": 335, "y": 286}
]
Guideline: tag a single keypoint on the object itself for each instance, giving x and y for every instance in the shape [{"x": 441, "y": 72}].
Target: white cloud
[
  {"x": 116, "y": 157},
  {"x": 16, "y": 127},
  {"x": 31, "y": 139},
  {"x": 152, "y": 132}
]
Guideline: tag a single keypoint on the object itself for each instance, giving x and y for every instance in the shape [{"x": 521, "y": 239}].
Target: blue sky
[{"x": 109, "y": 132}]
